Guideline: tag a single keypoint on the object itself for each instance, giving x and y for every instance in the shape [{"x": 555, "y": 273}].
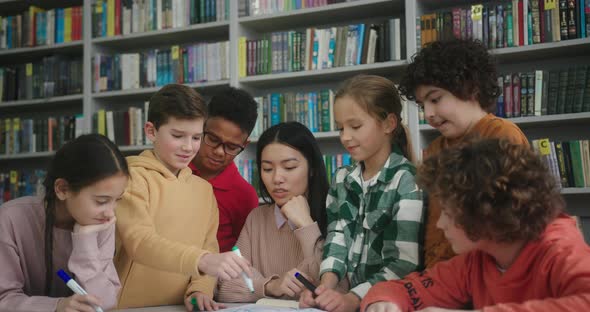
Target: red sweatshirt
[{"x": 550, "y": 274}]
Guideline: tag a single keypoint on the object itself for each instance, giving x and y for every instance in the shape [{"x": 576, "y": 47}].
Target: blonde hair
[{"x": 379, "y": 97}]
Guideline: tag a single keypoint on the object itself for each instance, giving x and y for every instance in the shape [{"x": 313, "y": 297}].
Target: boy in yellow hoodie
[{"x": 167, "y": 219}]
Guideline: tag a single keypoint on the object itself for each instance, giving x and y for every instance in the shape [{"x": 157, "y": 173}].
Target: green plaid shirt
[{"x": 374, "y": 237}]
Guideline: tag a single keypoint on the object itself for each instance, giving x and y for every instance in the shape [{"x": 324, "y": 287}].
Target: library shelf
[
  {"x": 328, "y": 14},
  {"x": 55, "y": 100},
  {"x": 575, "y": 190},
  {"x": 206, "y": 87},
  {"x": 166, "y": 37},
  {"x": 534, "y": 121},
  {"x": 26, "y": 155},
  {"x": 18, "y": 55},
  {"x": 334, "y": 74},
  {"x": 317, "y": 135}
]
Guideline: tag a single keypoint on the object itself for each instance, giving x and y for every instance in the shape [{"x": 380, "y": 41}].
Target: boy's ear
[
  {"x": 150, "y": 131},
  {"x": 390, "y": 123},
  {"x": 60, "y": 187}
]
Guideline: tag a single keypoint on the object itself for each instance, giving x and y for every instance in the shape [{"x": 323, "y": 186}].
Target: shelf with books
[
  {"x": 29, "y": 53},
  {"x": 329, "y": 14},
  {"x": 534, "y": 121},
  {"x": 56, "y": 100},
  {"x": 205, "y": 31},
  {"x": 26, "y": 155},
  {"x": 317, "y": 135},
  {"x": 575, "y": 190},
  {"x": 540, "y": 51},
  {"x": 134, "y": 148},
  {"x": 202, "y": 87},
  {"x": 323, "y": 75}
]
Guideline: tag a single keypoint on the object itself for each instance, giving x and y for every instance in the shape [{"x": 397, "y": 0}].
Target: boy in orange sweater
[
  {"x": 502, "y": 214},
  {"x": 167, "y": 250},
  {"x": 456, "y": 84}
]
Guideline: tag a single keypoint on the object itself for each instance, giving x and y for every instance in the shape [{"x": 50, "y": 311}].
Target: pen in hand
[
  {"x": 247, "y": 280},
  {"x": 306, "y": 283},
  {"x": 74, "y": 286}
]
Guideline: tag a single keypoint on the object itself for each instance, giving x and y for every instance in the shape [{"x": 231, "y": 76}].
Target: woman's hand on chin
[{"x": 296, "y": 210}]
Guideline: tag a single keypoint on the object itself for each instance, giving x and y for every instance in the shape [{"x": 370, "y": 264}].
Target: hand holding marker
[
  {"x": 74, "y": 286},
  {"x": 306, "y": 283},
  {"x": 247, "y": 280}
]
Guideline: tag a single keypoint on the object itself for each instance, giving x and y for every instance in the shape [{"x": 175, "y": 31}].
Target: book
[{"x": 278, "y": 303}]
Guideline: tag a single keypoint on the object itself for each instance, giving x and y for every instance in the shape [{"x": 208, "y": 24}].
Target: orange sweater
[
  {"x": 165, "y": 223},
  {"x": 550, "y": 274},
  {"x": 436, "y": 246}
]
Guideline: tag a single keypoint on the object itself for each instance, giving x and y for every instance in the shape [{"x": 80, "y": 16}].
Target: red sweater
[
  {"x": 235, "y": 199},
  {"x": 550, "y": 274}
]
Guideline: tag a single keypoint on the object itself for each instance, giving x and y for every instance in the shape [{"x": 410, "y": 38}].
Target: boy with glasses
[{"x": 232, "y": 116}]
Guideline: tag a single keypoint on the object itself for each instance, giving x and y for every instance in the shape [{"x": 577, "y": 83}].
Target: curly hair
[
  {"x": 493, "y": 189},
  {"x": 235, "y": 105},
  {"x": 463, "y": 67}
]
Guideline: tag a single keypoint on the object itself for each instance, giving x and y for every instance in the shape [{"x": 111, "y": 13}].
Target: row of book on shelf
[
  {"x": 568, "y": 161},
  {"x": 157, "y": 67},
  {"x": 321, "y": 48},
  {"x": 262, "y": 7},
  {"x": 122, "y": 17},
  {"x": 38, "y": 134},
  {"x": 49, "y": 76},
  {"x": 249, "y": 171},
  {"x": 314, "y": 109},
  {"x": 122, "y": 127},
  {"x": 542, "y": 92},
  {"x": 511, "y": 23},
  {"x": 19, "y": 183},
  {"x": 38, "y": 27}
]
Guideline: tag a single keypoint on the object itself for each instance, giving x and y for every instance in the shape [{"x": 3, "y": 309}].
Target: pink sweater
[
  {"x": 272, "y": 252},
  {"x": 87, "y": 257}
]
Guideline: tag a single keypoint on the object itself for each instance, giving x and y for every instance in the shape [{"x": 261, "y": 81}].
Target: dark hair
[
  {"x": 379, "y": 97},
  {"x": 235, "y": 105},
  {"x": 463, "y": 67},
  {"x": 81, "y": 162},
  {"x": 178, "y": 101},
  {"x": 493, "y": 189},
  {"x": 297, "y": 136}
]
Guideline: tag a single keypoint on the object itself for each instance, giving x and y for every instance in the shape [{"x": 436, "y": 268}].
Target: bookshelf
[{"x": 546, "y": 56}]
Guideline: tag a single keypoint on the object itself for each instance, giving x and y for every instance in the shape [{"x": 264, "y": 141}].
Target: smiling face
[
  {"x": 363, "y": 136},
  {"x": 94, "y": 204},
  {"x": 176, "y": 142},
  {"x": 212, "y": 160},
  {"x": 447, "y": 113},
  {"x": 284, "y": 172}
]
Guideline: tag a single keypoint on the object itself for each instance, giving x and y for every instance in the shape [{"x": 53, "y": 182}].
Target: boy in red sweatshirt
[{"x": 503, "y": 215}]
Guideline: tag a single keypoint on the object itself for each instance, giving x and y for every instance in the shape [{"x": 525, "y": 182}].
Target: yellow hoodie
[{"x": 164, "y": 225}]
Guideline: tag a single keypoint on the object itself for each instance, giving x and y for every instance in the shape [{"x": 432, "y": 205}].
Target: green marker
[
  {"x": 195, "y": 305},
  {"x": 247, "y": 280}
]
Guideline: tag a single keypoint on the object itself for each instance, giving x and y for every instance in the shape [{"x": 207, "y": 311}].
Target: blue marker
[
  {"x": 247, "y": 280},
  {"x": 74, "y": 286}
]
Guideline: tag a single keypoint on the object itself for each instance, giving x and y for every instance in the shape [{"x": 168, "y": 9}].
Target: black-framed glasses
[{"x": 214, "y": 141}]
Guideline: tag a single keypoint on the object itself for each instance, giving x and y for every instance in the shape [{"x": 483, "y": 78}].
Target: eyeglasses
[{"x": 214, "y": 141}]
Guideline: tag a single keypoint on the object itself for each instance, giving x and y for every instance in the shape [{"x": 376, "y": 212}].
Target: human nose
[
  {"x": 345, "y": 135},
  {"x": 278, "y": 177},
  {"x": 110, "y": 211},
  {"x": 428, "y": 111},
  {"x": 187, "y": 145}
]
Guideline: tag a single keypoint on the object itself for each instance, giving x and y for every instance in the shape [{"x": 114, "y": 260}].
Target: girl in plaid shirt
[{"x": 374, "y": 208}]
